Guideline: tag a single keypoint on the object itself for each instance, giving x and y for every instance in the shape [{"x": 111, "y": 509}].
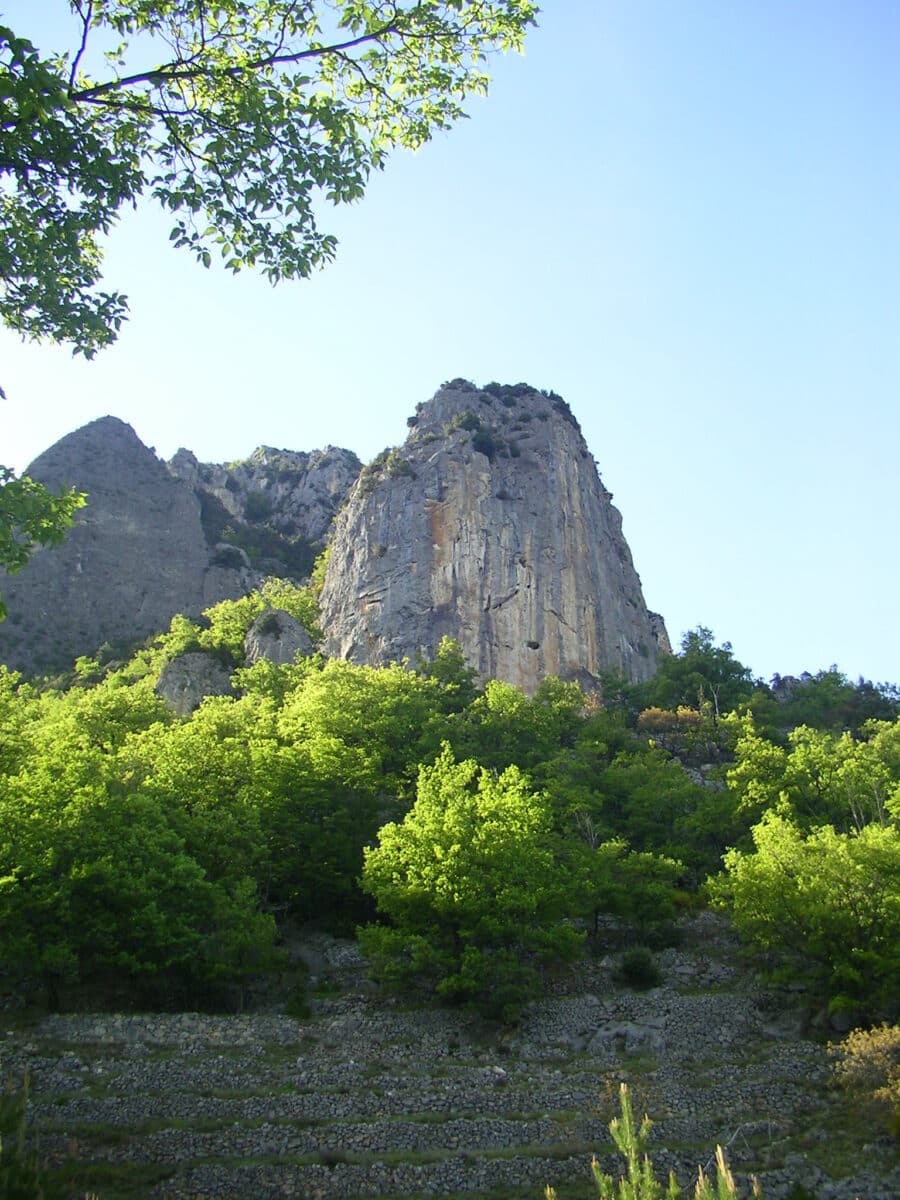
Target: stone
[
  {"x": 297, "y": 493},
  {"x": 186, "y": 679},
  {"x": 158, "y": 539},
  {"x": 277, "y": 637},
  {"x": 490, "y": 525}
]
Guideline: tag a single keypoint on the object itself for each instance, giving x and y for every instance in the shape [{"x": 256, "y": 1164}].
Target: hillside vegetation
[
  {"x": 477, "y": 837},
  {"x": 478, "y": 842}
]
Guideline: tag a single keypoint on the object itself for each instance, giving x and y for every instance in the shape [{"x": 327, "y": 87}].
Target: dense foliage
[
  {"x": 476, "y": 834},
  {"x": 474, "y": 886}
]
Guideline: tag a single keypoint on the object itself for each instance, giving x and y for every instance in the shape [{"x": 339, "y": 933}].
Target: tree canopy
[{"x": 238, "y": 118}]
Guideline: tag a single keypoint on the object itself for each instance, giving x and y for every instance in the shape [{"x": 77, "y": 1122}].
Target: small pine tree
[{"x": 639, "y": 1181}]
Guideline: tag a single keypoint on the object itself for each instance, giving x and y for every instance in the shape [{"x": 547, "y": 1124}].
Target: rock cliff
[
  {"x": 157, "y": 539},
  {"x": 490, "y": 525}
]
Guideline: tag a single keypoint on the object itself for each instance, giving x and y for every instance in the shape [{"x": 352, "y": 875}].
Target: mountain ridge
[{"x": 489, "y": 524}]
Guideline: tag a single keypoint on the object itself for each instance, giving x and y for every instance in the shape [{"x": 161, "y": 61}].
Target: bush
[
  {"x": 639, "y": 969},
  {"x": 466, "y": 420},
  {"x": 258, "y": 506},
  {"x": 866, "y": 1064},
  {"x": 485, "y": 443}
]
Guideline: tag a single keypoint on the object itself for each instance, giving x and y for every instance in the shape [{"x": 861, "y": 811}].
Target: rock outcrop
[
  {"x": 490, "y": 525},
  {"x": 186, "y": 679},
  {"x": 292, "y": 493},
  {"x": 136, "y": 555},
  {"x": 277, "y": 637},
  {"x": 157, "y": 539}
]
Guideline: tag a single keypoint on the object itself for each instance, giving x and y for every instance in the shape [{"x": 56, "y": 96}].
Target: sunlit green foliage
[
  {"x": 239, "y": 119},
  {"x": 866, "y": 1064},
  {"x": 828, "y": 902},
  {"x": 503, "y": 726},
  {"x": 229, "y": 620},
  {"x": 472, "y": 887},
  {"x": 146, "y": 857},
  {"x": 819, "y": 777},
  {"x": 639, "y": 1181}
]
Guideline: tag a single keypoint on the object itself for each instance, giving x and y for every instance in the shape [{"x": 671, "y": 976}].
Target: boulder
[
  {"x": 185, "y": 680},
  {"x": 277, "y": 637}
]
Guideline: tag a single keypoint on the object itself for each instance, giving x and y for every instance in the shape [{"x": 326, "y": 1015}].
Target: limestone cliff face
[
  {"x": 157, "y": 539},
  {"x": 296, "y": 494},
  {"x": 490, "y": 524},
  {"x": 136, "y": 555}
]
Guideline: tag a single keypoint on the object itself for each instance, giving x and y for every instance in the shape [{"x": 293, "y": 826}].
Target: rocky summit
[
  {"x": 489, "y": 524},
  {"x": 160, "y": 538}
]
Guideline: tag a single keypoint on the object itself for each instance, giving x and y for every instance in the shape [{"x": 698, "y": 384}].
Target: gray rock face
[
  {"x": 277, "y": 637},
  {"x": 296, "y": 494},
  {"x": 155, "y": 540},
  {"x": 490, "y": 525},
  {"x": 136, "y": 555},
  {"x": 186, "y": 679}
]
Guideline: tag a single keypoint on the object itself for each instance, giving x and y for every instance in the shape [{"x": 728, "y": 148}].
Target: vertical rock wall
[{"x": 490, "y": 524}]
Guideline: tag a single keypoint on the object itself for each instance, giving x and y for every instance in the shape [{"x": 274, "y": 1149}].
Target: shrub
[
  {"x": 639, "y": 969},
  {"x": 258, "y": 506},
  {"x": 463, "y": 420},
  {"x": 484, "y": 442},
  {"x": 395, "y": 465},
  {"x": 866, "y": 1064}
]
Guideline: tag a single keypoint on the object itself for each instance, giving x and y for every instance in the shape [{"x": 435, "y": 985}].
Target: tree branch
[
  {"x": 85, "y": 26},
  {"x": 178, "y": 70}
]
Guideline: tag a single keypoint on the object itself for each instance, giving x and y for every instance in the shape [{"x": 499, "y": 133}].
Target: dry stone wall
[{"x": 366, "y": 1098}]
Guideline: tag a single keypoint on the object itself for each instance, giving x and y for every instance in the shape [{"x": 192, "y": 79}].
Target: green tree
[
  {"x": 451, "y": 671},
  {"x": 819, "y": 777},
  {"x": 826, "y": 700},
  {"x": 374, "y": 721},
  {"x": 127, "y": 840},
  {"x": 828, "y": 903},
  {"x": 472, "y": 887},
  {"x": 702, "y": 673},
  {"x": 236, "y": 117},
  {"x": 502, "y": 726}
]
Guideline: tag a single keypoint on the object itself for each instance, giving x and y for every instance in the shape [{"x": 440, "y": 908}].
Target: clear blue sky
[{"x": 681, "y": 216}]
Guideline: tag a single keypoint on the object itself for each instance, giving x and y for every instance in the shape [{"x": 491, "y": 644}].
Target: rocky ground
[{"x": 367, "y": 1098}]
